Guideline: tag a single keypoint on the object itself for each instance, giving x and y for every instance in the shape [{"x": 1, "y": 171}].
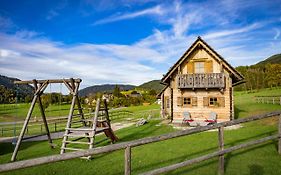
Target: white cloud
[
  {"x": 28, "y": 58},
  {"x": 26, "y": 55},
  {"x": 6, "y": 23},
  {"x": 157, "y": 10},
  {"x": 224, "y": 33},
  {"x": 51, "y": 14},
  {"x": 276, "y": 36}
]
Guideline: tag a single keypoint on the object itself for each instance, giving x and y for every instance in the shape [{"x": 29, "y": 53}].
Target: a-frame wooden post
[
  {"x": 74, "y": 91},
  {"x": 43, "y": 114},
  {"x": 38, "y": 91},
  {"x": 40, "y": 86}
]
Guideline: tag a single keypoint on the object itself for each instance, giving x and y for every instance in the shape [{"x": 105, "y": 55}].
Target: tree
[
  {"x": 45, "y": 101},
  {"x": 117, "y": 92}
]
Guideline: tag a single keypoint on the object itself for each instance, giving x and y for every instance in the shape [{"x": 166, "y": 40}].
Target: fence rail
[
  {"x": 58, "y": 124},
  {"x": 128, "y": 145},
  {"x": 268, "y": 99}
]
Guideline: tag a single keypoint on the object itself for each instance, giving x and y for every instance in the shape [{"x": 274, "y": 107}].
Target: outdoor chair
[
  {"x": 187, "y": 119},
  {"x": 212, "y": 118}
]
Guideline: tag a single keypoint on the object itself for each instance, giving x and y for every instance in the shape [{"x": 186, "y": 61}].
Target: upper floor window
[{"x": 199, "y": 67}]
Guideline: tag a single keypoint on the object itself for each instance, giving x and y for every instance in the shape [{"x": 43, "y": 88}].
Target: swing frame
[{"x": 39, "y": 87}]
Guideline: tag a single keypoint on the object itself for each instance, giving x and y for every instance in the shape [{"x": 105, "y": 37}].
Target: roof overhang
[{"x": 235, "y": 75}]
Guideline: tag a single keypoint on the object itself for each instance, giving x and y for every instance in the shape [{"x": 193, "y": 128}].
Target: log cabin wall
[
  {"x": 166, "y": 103},
  {"x": 200, "y": 101}
]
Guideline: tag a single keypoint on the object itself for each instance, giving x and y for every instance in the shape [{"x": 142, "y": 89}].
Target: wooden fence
[
  {"x": 268, "y": 99},
  {"x": 128, "y": 145},
  {"x": 58, "y": 124}
]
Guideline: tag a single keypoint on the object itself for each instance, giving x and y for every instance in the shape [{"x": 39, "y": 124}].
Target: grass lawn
[
  {"x": 129, "y": 114},
  {"x": 260, "y": 159},
  {"x": 17, "y": 112}
]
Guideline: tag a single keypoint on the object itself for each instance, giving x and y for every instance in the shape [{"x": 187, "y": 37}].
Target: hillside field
[{"x": 261, "y": 159}]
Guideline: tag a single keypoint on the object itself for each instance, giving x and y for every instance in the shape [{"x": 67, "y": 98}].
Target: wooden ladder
[{"x": 91, "y": 127}]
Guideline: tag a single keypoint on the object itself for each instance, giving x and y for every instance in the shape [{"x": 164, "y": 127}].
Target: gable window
[
  {"x": 199, "y": 67},
  {"x": 186, "y": 101}
]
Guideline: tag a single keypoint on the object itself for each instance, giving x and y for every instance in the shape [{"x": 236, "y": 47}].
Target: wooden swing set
[{"x": 97, "y": 122}]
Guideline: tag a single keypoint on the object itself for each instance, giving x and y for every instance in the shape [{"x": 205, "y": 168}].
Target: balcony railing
[{"x": 201, "y": 80}]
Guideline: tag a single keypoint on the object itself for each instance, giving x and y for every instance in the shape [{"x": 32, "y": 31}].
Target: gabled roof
[
  {"x": 236, "y": 76},
  {"x": 159, "y": 95}
]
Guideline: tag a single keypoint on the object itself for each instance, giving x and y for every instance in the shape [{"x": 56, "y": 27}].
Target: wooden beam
[
  {"x": 172, "y": 105},
  {"x": 138, "y": 142},
  {"x": 68, "y": 124},
  {"x": 106, "y": 112},
  {"x": 24, "y": 128},
  {"x": 211, "y": 155},
  {"x": 279, "y": 133},
  {"x": 128, "y": 161},
  {"x": 45, "y": 121},
  {"x": 110, "y": 148},
  {"x": 71, "y": 89},
  {"x": 221, "y": 145},
  {"x": 78, "y": 80}
]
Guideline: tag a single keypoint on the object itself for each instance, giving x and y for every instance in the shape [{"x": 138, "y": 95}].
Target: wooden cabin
[{"x": 200, "y": 82}]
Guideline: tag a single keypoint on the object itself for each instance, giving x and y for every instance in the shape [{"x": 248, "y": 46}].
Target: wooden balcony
[{"x": 201, "y": 80}]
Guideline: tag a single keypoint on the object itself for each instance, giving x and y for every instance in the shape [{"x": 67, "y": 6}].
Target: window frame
[
  {"x": 199, "y": 67},
  {"x": 189, "y": 99},
  {"x": 213, "y": 101}
]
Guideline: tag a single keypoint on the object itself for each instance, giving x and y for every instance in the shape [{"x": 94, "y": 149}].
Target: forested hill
[
  {"x": 264, "y": 74},
  {"x": 152, "y": 85},
  {"x": 274, "y": 59},
  {"x": 8, "y": 90},
  {"x": 103, "y": 88}
]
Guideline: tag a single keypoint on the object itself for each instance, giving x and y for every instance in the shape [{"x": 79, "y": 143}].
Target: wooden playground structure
[{"x": 95, "y": 123}]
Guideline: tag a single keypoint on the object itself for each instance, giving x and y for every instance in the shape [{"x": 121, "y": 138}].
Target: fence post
[
  {"x": 279, "y": 133},
  {"x": 128, "y": 160},
  {"x": 41, "y": 128},
  {"x": 55, "y": 126},
  {"x": 221, "y": 145}
]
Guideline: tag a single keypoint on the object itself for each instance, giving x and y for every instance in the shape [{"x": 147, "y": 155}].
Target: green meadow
[{"x": 259, "y": 159}]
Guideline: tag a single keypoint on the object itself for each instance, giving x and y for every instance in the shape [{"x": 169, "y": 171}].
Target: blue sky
[{"x": 129, "y": 41}]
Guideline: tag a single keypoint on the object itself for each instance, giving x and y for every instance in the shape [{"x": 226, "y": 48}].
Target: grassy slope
[
  {"x": 262, "y": 159},
  {"x": 12, "y": 112}
]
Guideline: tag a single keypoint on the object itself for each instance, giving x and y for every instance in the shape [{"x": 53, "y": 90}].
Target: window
[
  {"x": 213, "y": 101},
  {"x": 199, "y": 67},
  {"x": 186, "y": 101}
]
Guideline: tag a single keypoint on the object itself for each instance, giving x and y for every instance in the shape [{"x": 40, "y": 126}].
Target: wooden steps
[
  {"x": 92, "y": 126},
  {"x": 76, "y": 142}
]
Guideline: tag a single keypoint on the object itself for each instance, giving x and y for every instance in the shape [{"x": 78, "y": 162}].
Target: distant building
[
  {"x": 107, "y": 96},
  {"x": 135, "y": 94},
  {"x": 200, "y": 82}
]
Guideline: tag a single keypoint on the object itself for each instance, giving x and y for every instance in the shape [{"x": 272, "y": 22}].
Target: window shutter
[
  {"x": 221, "y": 101},
  {"x": 179, "y": 101},
  {"x": 194, "y": 101},
  {"x": 205, "y": 101},
  {"x": 209, "y": 66},
  {"x": 190, "y": 67}
]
